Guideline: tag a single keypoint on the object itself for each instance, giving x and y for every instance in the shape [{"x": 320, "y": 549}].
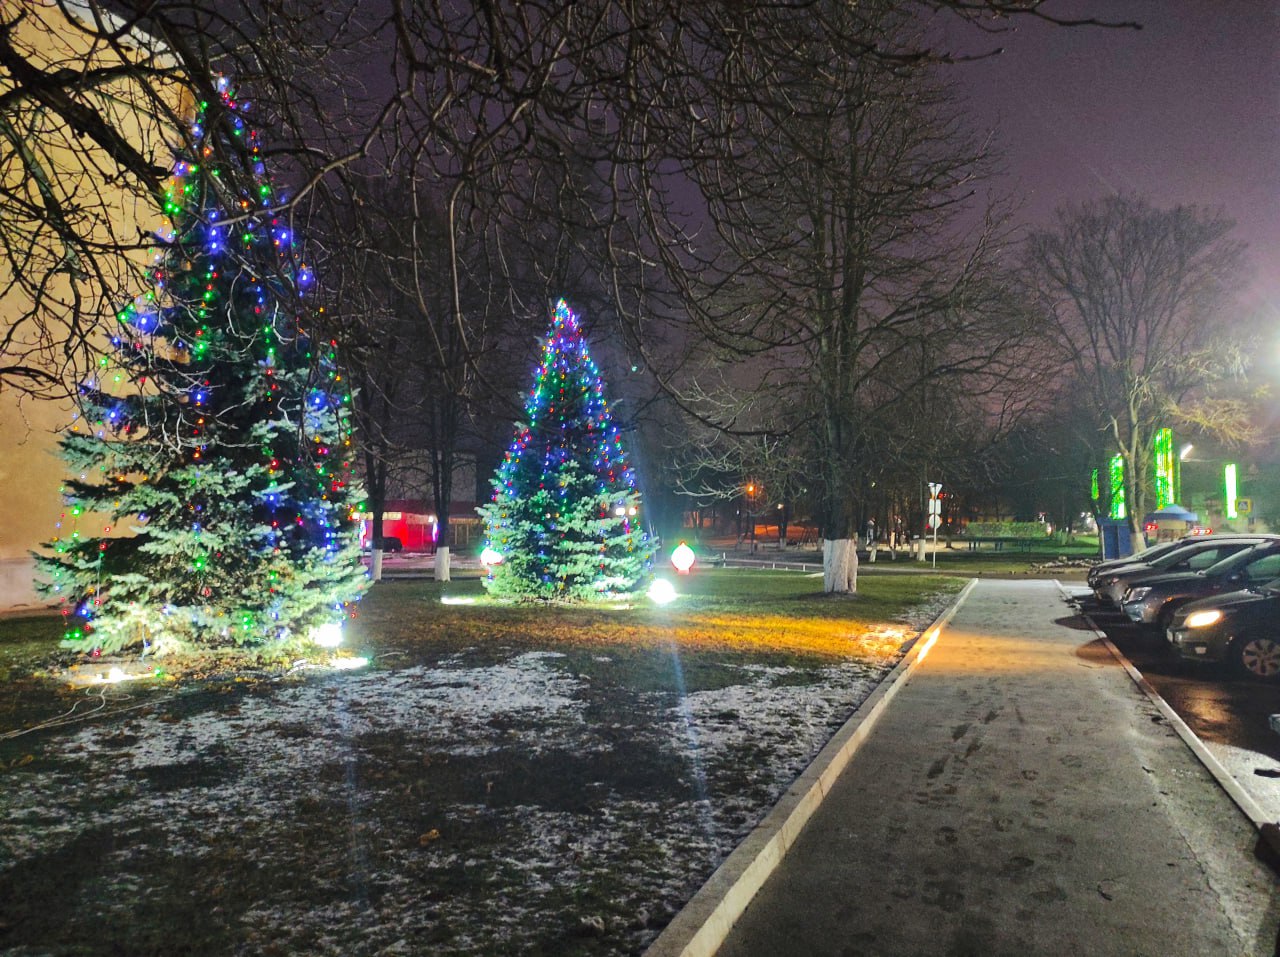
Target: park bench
[
  {"x": 1020, "y": 535},
  {"x": 1000, "y": 541}
]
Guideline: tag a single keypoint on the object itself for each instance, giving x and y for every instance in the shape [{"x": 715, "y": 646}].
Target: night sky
[{"x": 1186, "y": 110}]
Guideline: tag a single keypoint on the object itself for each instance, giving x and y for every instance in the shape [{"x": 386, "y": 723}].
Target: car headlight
[
  {"x": 1136, "y": 594},
  {"x": 1202, "y": 619}
]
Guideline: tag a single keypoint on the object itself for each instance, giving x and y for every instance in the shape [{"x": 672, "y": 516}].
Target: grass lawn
[{"x": 497, "y": 780}]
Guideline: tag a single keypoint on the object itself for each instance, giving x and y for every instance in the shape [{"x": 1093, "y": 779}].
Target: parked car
[
  {"x": 1239, "y": 628},
  {"x": 1148, "y": 554},
  {"x": 1193, "y": 556},
  {"x": 1152, "y": 599},
  {"x": 388, "y": 543}
]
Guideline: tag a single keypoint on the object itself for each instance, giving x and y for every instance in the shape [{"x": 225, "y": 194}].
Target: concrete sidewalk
[{"x": 1018, "y": 796}]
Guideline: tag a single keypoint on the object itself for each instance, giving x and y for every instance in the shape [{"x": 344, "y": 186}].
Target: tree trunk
[
  {"x": 376, "y": 489},
  {"x": 442, "y": 461},
  {"x": 840, "y": 565}
]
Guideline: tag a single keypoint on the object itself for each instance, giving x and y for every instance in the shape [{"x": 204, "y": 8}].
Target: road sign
[
  {"x": 1244, "y": 505},
  {"x": 935, "y": 516}
]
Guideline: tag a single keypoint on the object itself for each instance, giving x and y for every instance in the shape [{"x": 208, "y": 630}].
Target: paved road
[
  {"x": 1019, "y": 797},
  {"x": 1227, "y": 713}
]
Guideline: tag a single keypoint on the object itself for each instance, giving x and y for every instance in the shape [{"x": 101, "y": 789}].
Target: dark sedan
[
  {"x": 1152, "y": 599},
  {"x": 1191, "y": 557},
  {"x": 1240, "y": 628},
  {"x": 1148, "y": 554}
]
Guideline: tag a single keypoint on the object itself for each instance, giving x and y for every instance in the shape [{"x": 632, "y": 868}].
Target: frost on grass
[{"x": 521, "y": 807}]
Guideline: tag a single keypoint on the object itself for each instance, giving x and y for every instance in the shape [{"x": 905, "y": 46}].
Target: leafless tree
[
  {"x": 1137, "y": 305},
  {"x": 849, "y": 262},
  {"x": 95, "y": 100},
  {"x": 556, "y": 144}
]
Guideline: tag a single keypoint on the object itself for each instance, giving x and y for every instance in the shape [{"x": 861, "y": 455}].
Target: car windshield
[
  {"x": 1238, "y": 560},
  {"x": 1198, "y": 548},
  {"x": 1152, "y": 552}
]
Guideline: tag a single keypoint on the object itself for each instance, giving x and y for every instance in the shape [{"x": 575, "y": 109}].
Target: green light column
[
  {"x": 1116, "y": 475},
  {"x": 1165, "y": 477}
]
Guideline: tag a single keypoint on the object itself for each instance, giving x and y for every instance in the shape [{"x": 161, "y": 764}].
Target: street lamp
[{"x": 751, "y": 513}]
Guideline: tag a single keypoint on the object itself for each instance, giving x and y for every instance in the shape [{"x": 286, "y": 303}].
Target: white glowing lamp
[
  {"x": 490, "y": 556},
  {"x": 349, "y": 664},
  {"x": 662, "y": 592},
  {"x": 682, "y": 558},
  {"x": 328, "y": 635}
]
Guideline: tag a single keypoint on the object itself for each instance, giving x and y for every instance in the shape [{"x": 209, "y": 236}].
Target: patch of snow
[{"x": 333, "y": 777}]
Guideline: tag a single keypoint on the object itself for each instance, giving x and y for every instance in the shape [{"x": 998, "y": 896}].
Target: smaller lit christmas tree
[{"x": 564, "y": 523}]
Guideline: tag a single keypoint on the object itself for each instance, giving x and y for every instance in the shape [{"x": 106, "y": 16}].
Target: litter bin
[{"x": 1117, "y": 538}]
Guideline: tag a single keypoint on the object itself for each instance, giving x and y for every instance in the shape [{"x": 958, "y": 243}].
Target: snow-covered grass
[{"x": 508, "y": 782}]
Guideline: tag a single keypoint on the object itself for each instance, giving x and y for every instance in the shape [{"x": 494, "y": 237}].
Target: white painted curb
[
  {"x": 1251, "y": 809},
  {"x": 701, "y": 926}
]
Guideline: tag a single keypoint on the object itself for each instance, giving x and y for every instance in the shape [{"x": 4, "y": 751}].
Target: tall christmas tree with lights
[
  {"x": 564, "y": 523},
  {"x": 214, "y": 442}
]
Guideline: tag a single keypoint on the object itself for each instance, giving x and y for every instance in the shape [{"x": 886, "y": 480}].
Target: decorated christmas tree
[
  {"x": 564, "y": 523},
  {"x": 214, "y": 443}
]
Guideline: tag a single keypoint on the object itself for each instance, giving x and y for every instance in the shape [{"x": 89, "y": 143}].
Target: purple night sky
[{"x": 1186, "y": 110}]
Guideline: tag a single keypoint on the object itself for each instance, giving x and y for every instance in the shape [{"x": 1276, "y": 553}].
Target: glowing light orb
[
  {"x": 349, "y": 664},
  {"x": 327, "y": 635},
  {"x": 662, "y": 592},
  {"x": 682, "y": 558},
  {"x": 490, "y": 557}
]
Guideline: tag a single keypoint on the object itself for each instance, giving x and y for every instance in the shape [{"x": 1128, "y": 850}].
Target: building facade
[{"x": 63, "y": 37}]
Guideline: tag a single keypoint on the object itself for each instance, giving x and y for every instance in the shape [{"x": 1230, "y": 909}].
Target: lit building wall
[{"x": 31, "y": 470}]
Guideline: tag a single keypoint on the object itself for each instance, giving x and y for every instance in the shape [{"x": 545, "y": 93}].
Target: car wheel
[
  {"x": 1165, "y": 618},
  {"x": 1257, "y": 657}
]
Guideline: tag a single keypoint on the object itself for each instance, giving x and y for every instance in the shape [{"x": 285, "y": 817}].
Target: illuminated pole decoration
[
  {"x": 1230, "y": 490},
  {"x": 1165, "y": 474},
  {"x": 564, "y": 521},
  {"x": 216, "y": 436},
  {"x": 1116, "y": 477}
]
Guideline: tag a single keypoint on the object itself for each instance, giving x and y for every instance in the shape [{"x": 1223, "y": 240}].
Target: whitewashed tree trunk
[
  {"x": 442, "y": 563},
  {"x": 375, "y": 564},
  {"x": 840, "y": 565}
]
